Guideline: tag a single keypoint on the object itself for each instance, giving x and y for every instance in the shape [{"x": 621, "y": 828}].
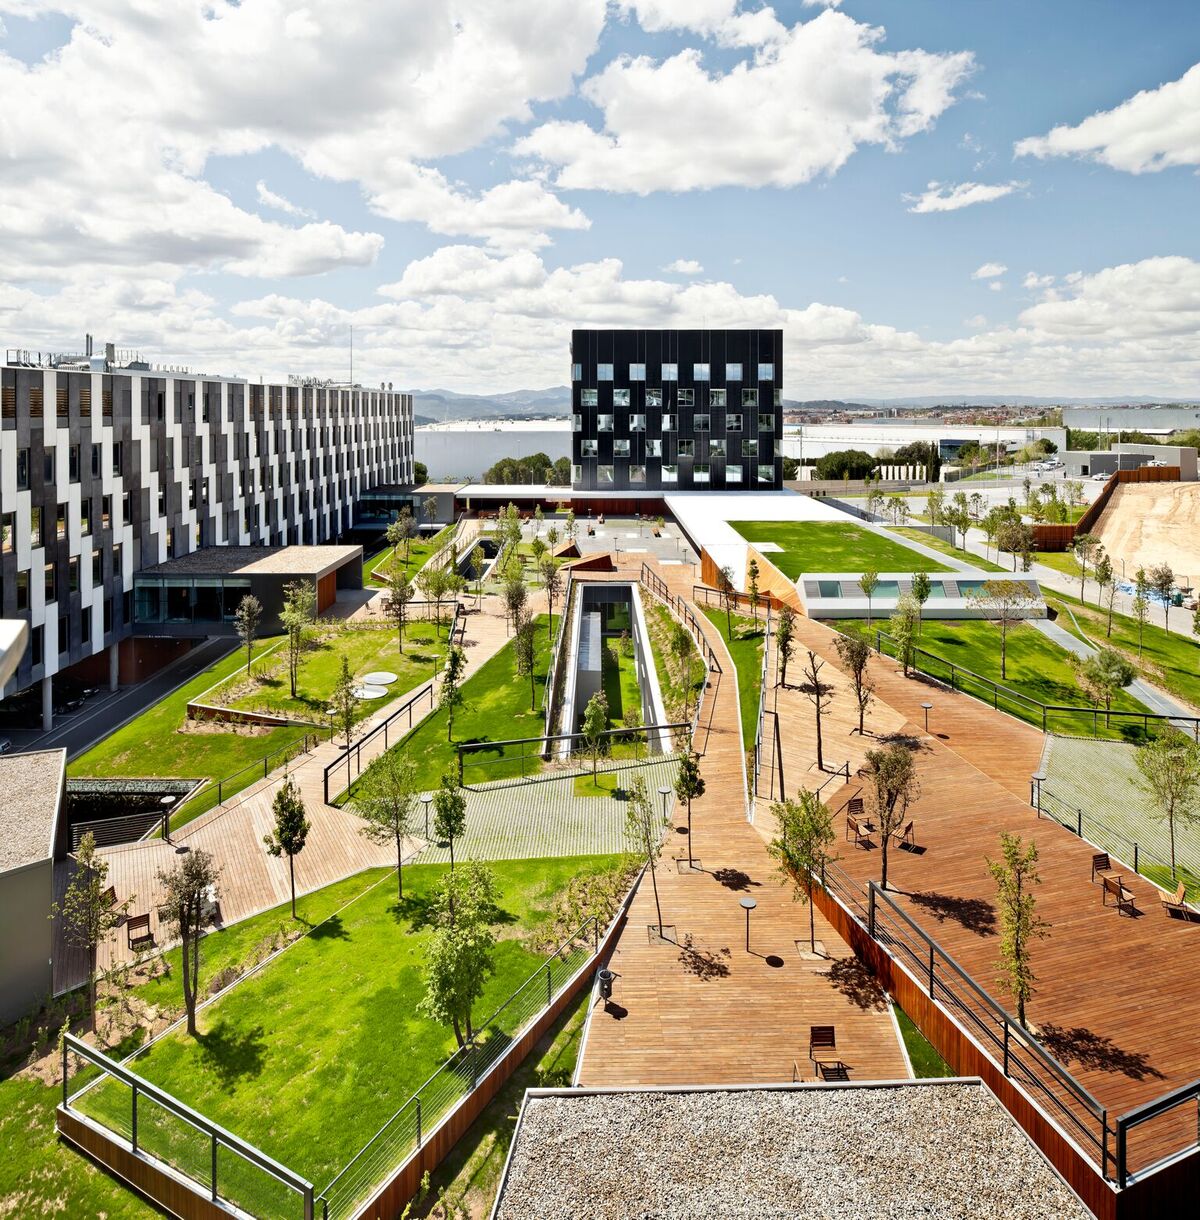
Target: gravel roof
[
  {"x": 944, "y": 1151},
  {"x": 277, "y": 560},
  {"x": 29, "y": 787}
]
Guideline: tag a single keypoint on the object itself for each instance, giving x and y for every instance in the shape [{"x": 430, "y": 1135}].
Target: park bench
[
  {"x": 137, "y": 930},
  {"x": 905, "y": 837},
  {"x": 1102, "y": 866},
  {"x": 1115, "y": 886},
  {"x": 1177, "y": 904}
]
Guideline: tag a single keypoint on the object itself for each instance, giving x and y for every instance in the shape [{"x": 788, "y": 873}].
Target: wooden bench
[
  {"x": 905, "y": 837},
  {"x": 137, "y": 930},
  {"x": 821, "y": 1040},
  {"x": 861, "y": 833},
  {"x": 1102, "y": 866},
  {"x": 1123, "y": 897},
  {"x": 1177, "y": 905}
]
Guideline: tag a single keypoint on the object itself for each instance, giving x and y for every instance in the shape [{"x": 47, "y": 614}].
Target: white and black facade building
[
  {"x": 676, "y": 410},
  {"x": 107, "y": 470}
]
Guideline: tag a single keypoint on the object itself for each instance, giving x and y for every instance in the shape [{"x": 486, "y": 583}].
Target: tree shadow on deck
[
  {"x": 705, "y": 964},
  {"x": 855, "y": 981},
  {"x": 974, "y": 914},
  {"x": 734, "y": 879},
  {"x": 1092, "y": 1050}
]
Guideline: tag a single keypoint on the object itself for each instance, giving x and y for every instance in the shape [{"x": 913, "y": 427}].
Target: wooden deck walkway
[
  {"x": 702, "y": 1009},
  {"x": 251, "y": 881},
  {"x": 1117, "y": 996}
]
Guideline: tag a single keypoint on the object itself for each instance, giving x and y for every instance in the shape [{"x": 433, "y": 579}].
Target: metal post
[
  {"x": 1135, "y": 858},
  {"x": 1079, "y": 822},
  {"x": 133, "y": 1120},
  {"x": 871, "y": 911},
  {"x": 1006, "y": 1047},
  {"x": 1104, "y": 1144},
  {"x": 549, "y": 987},
  {"x": 214, "y": 1167},
  {"x": 1121, "y": 1174},
  {"x": 931, "y": 951},
  {"x": 418, "y": 1120},
  {"x": 65, "y": 1068}
]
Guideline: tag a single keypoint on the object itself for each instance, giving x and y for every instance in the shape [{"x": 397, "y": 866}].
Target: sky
[{"x": 930, "y": 197}]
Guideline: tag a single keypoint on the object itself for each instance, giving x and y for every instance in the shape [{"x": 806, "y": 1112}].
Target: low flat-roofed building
[
  {"x": 32, "y": 836},
  {"x": 839, "y": 594},
  {"x": 199, "y": 593}
]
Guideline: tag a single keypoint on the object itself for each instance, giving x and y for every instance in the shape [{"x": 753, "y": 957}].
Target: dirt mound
[{"x": 1149, "y": 523}]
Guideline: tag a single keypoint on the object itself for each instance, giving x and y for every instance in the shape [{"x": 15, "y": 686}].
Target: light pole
[
  {"x": 748, "y": 905},
  {"x": 1035, "y": 789},
  {"x": 666, "y": 792},
  {"x": 427, "y": 800},
  {"x": 927, "y": 706}
]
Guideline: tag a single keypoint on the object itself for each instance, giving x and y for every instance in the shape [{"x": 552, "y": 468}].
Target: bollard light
[{"x": 748, "y": 905}]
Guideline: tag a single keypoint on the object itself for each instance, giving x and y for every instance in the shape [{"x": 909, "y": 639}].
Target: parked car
[{"x": 1100, "y": 478}]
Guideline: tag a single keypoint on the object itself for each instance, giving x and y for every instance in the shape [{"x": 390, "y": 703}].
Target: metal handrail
[
  {"x": 355, "y": 749},
  {"x": 548, "y": 692},
  {"x": 218, "y": 1134},
  {"x": 1144, "y": 1113}
]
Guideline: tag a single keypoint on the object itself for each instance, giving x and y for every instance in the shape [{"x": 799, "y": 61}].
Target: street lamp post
[
  {"x": 427, "y": 800},
  {"x": 748, "y": 905},
  {"x": 927, "y": 707},
  {"x": 1035, "y": 789}
]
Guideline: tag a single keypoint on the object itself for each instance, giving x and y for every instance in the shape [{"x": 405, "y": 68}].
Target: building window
[
  {"x": 687, "y": 398},
  {"x": 716, "y": 448},
  {"x": 733, "y": 372},
  {"x": 7, "y": 535},
  {"x": 700, "y": 472},
  {"x": 637, "y": 474},
  {"x": 716, "y": 398},
  {"x": 35, "y": 526},
  {"x": 604, "y": 423},
  {"x": 116, "y": 458},
  {"x": 97, "y": 569},
  {"x": 48, "y": 466},
  {"x": 105, "y": 512},
  {"x": 700, "y": 423},
  {"x": 750, "y": 448},
  {"x": 700, "y": 372},
  {"x": 61, "y": 531},
  {"x": 589, "y": 398},
  {"x": 687, "y": 448},
  {"x": 73, "y": 574},
  {"x": 749, "y": 398},
  {"x": 23, "y": 469},
  {"x": 118, "y": 571},
  {"x": 766, "y": 473},
  {"x": 668, "y": 423},
  {"x": 670, "y": 372},
  {"x": 766, "y": 372},
  {"x": 654, "y": 448},
  {"x": 778, "y": 399},
  {"x": 162, "y": 502},
  {"x": 670, "y": 474},
  {"x": 96, "y": 450},
  {"x": 127, "y": 509},
  {"x": 604, "y": 476},
  {"x": 576, "y": 474},
  {"x": 733, "y": 474},
  {"x": 590, "y": 448},
  {"x": 36, "y": 646},
  {"x": 766, "y": 423},
  {"x": 637, "y": 423},
  {"x": 604, "y": 372},
  {"x": 733, "y": 423},
  {"x": 64, "y": 635},
  {"x": 73, "y": 463},
  {"x": 654, "y": 398},
  {"x": 48, "y": 578},
  {"x": 85, "y": 516},
  {"x": 637, "y": 372},
  {"x": 620, "y": 398},
  {"x": 576, "y": 423},
  {"x": 23, "y": 591},
  {"x": 620, "y": 448},
  {"x": 85, "y": 626},
  {"x": 576, "y": 372}
]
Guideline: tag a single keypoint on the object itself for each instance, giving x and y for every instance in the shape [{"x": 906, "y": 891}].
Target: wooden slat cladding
[
  {"x": 63, "y": 402},
  {"x": 85, "y": 401},
  {"x": 35, "y": 402},
  {"x": 8, "y": 402}
]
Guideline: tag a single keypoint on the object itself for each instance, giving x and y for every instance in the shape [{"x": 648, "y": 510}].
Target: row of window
[
  {"x": 700, "y": 423},
  {"x": 701, "y": 473},
  {"x": 683, "y": 398},
  {"x": 670, "y": 372},
  {"x": 50, "y": 577},
  {"x": 684, "y": 448}
]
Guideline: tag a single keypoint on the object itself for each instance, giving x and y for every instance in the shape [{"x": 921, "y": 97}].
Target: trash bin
[{"x": 606, "y": 984}]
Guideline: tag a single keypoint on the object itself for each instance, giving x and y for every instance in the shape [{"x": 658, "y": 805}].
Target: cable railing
[
  {"x": 141, "y": 1118},
  {"x": 412, "y": 1125},
  {"x": 401, "y": 722}
]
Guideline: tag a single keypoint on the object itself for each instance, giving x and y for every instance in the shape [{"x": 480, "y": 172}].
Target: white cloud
[
  {"x": 815, "y": 96},
  {"x": 996, "y": 285},
  {"x": 686, "y": 266},
  {"x": 1035, "y": 282},
  {"x": 1151, "y": 131},
  {"x": 721, "y": 20},
  {"x": 977, "y": 322},
  {"x": 822, "y": 3},
  {"x": 989, "y": 271},
  {"x": 268, "y": 198},
  {"x": 944, "y": 197}
]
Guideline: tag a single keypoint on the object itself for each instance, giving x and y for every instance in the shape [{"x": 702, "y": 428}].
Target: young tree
[
  {"x": 934, "y": 504},
  {"x": 449, "y": 814},
  {"x": 801, "y": 848},
  {"x": 725, "y": 585},
  {"x": 246, "y": 620},
  {"x": 552, "y": 583},
  {"x": 343, "y": 701},
  {"x": 1169, "y": 774},
  {"x": 1101, "y": 675},
  {"x": 855, "y": 652},
  {"x": 394, "y": 534},
  {"x": 429, "y": 508},
  {"x": 1141, "y": 603},
  {"x": 902, "y": 627},
  {"x": 537, "y": 549},
  {"x": 386, "y": 800},
  {"x": 400, "y": 593},
  {"x": 894, "y": 786},
  {"x": 868, "y": 582},
  {"x": 458, "y": 957},
  {"x": 752, "y": 586},
  {"x": 290, "y": 832},
  {"x": 1162, "y": 581},
  {"x": 1086, "y": 548},
  {"x": 515, "y": 592},
  {"x": 478, "y": 566},
  {"x": 1006, "y": 604},
  {"x": 632, "y": 722},
  {"x": 406, "y": 530},
  {"x": 819, "y": 694},
  {"x": 552, "y": 537},
  {"x": 89, "y": 915},
  {"x": 922, "y": 587},
  {"x": 538, "y": 518},
  {"x": 188, "y": 890},
  {"x": 299, "y": 605},
  {"x": 1015, "y": 876},
  {"x": 785, "y": 641},
  {"x": 689, "y": 787},
  {"x": 977, "y": 505},
  {"x": 681, "y": 650},
  {"x": 525, "y": 653},
  {"x": 569, "y": 526},
  {"x": 1106, "y": 582},
  {"x": 645, "y": 826},
  {"x": 1014, "y": 536},
  {"x": 595, "y": 722},
  {"x": 450, "y": 696}
]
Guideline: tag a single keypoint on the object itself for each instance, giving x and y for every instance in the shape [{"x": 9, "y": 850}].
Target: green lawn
[
  {"x": 310, "y": 1056},
  {"x": 618, "y": 674},
  {"x": 827, "y": 546},
  {"x": 681, "y": 682},
  {"x": 496, "y": 709},
  {"x": 1037, "y": 668},
  {"x": 154, "y": 745},
  {"x": 926, "y": 1062},
  {"x": 366, "y": 648},
  {"x": 1168, "y": 660},
  {"x": 1061, "y": 561},
  {"x": 746, "y": 648},
  {"x": 381, "y": 570},
  {"x": 946, "y": 548}
]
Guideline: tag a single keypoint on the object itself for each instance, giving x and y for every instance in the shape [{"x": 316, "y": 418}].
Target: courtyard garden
[
  {"x": 831, "y": 546},
  {"x": 380, "y": 566}
]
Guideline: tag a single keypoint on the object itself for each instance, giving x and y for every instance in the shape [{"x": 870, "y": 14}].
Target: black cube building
[{"x": 664, "y": 410}]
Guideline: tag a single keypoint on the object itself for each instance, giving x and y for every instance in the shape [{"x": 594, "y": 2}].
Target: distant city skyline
[{"x": 929, "y": 198}]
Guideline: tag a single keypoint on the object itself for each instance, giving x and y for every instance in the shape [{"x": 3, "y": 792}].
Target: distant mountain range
[{"x": 438, "y": 406}]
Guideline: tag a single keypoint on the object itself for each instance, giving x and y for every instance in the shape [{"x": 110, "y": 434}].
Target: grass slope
[
  {"x": 926, "y": 1062},
  {"x": 746, "y": 648},
  {"x": 946, "y": 548},
  {"x": 827, "y": 546}
]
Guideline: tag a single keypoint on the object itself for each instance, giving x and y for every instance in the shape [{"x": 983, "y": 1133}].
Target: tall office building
[
  {"x": 110, "y": 466},
  {"x": 665, "y": 410}
]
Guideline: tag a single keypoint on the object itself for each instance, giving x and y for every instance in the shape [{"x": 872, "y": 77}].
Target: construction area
[{"x": 1151, "y": 523}]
